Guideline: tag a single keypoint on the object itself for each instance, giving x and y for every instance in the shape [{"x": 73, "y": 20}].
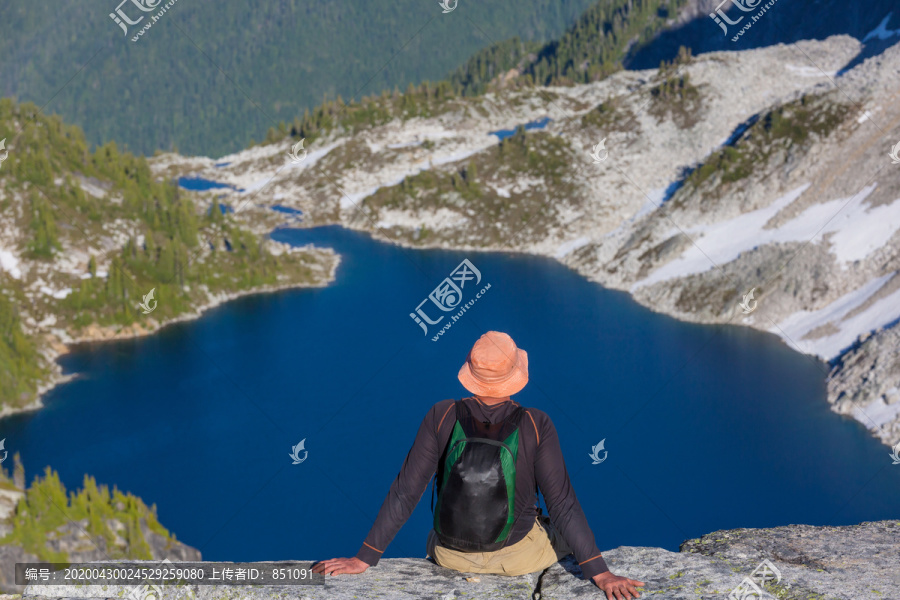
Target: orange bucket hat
[{"x": 495, "y": 367}]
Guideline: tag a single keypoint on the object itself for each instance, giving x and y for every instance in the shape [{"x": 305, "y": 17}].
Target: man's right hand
[{"x": 340, "y": 566}]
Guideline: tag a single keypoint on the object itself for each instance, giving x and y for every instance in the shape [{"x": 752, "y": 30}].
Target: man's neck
[{"x": 490, "y": 400}]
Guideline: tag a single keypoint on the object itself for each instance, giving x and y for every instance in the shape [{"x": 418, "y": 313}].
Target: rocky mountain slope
[
  {"x": 42, "y": 524},
  {"x": 758, "y": 171},
  {"x": 92, "y": 246},
  {"x": 804, "y": 563}
]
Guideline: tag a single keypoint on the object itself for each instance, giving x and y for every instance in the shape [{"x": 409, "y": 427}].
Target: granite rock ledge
[{"x": 855, "y": 562}]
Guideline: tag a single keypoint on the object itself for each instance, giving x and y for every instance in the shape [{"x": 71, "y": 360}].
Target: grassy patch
[
  {"x": 469, "y": 189},
  {"x": 780, "y": 132},
  {"x": 675, "y": 97},
  {"x": 610, "y": 115}
]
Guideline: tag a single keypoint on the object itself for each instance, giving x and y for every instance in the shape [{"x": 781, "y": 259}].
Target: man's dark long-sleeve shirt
[{"x": 539, "y": 462}]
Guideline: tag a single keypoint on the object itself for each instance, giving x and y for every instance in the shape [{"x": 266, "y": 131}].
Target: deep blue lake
[{"x": 706, "y": 427}]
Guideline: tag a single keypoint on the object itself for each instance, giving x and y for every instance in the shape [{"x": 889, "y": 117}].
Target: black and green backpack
[{"x": 476, "y": 482}]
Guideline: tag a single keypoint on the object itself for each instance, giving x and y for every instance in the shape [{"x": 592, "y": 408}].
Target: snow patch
[
  {"x": 48, "y": 321},
  {"x": 404, "y": 144},
  {"x": 868, "y": 114},
  {"x": 349, "y": 200},
  {"x": 449, "y": 158},
  {"x": 312, "y": 157},
  {"x": 806, "y": 71},
  {"x": 10, "y": 264},
  {"x": 503, "y": 192},
  {"x": 721, "y": 242},
  {"x": 797, "y": 325},
  {"x": 877, "y": 413},
  {"x": 58, "y": 294},
  {"x": 855, "y": 232},
  {"x": 571, "y": 246},
  {"x": 443, "y": 218}
]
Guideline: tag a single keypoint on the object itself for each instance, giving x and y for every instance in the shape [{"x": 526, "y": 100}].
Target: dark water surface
[
  {"x": 707, "y": 427},
  {"x": 200, "y": 184},
  {"x": 536, "y": 124}
]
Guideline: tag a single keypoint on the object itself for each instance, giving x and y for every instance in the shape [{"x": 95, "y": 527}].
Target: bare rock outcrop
[{"x": 804, "y": 562}]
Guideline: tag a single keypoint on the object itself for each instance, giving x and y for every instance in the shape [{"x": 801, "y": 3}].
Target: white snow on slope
[
  {"x": 351, "y": 199},
  {"x": 796, "y": 326},
  {"x": 502, "y": 191},
  {"x": 10, "y": 264},
  {"x": 855, "y": 231},
  {"x": 721, "y": 242},
  {"x": 877, "y": 413},
  {"x": 58, "y": 294},
  {"x": 443, "y": 218},
  {"x": 570, "y": 246},
  {"x": 806, "y": 71},
  {"x": 457, "y": 156},
  {"x": 312, "y": 157},
  {"x": 404, "y": 145}
]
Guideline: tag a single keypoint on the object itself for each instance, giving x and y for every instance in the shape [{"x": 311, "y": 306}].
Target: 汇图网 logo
[
  {"x": 722, "y": 20},
  {"x": 295, "y": 452},
  {"x": 748, "y": 304},
  {"x": 298, "y": 152},
  {"x": 751, "y": 588},
  {"x": 448, "y": 296},
  {"x": 895, "y": 154},
  {"x": 719, "y": 17},
  {"x": 149, "y": 303},
  {"x": 122, "y": 20},
  {"x": 595, "y": 452},
  {"x": 152, "y": 591},
  {"x": 600, "y": 153}
]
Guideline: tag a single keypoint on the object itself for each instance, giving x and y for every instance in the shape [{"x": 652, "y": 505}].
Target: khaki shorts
[{"x": 538, "y": 550}]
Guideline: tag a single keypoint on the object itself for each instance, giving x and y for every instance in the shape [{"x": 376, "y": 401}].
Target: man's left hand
[{"x": 617, "y": 588}]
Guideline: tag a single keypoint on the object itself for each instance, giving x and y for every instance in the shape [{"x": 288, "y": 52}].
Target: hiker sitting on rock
[{"x": 490, "y": 455}]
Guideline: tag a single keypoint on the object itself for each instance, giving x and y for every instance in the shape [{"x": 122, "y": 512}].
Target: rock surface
[{"x": 836, "y": 563}]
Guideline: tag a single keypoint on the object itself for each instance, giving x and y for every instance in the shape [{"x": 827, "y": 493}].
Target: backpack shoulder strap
[
  {"x": 516, "y": 417},
  {"x": 461, "y": 415},
  {"x": 437, "y": 430},
  {"x": 534, "y": 427},
  {"x": 465, "y": 418}
]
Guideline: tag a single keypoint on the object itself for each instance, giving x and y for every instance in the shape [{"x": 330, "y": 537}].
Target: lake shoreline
[
  {"x": 62, "y": 348},
  {"x": 55, "y": 348},
  {"x": 837, "y": 403}
]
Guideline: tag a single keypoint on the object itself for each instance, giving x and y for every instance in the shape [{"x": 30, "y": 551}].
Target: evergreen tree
[{"x": 43, "y": 227}]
